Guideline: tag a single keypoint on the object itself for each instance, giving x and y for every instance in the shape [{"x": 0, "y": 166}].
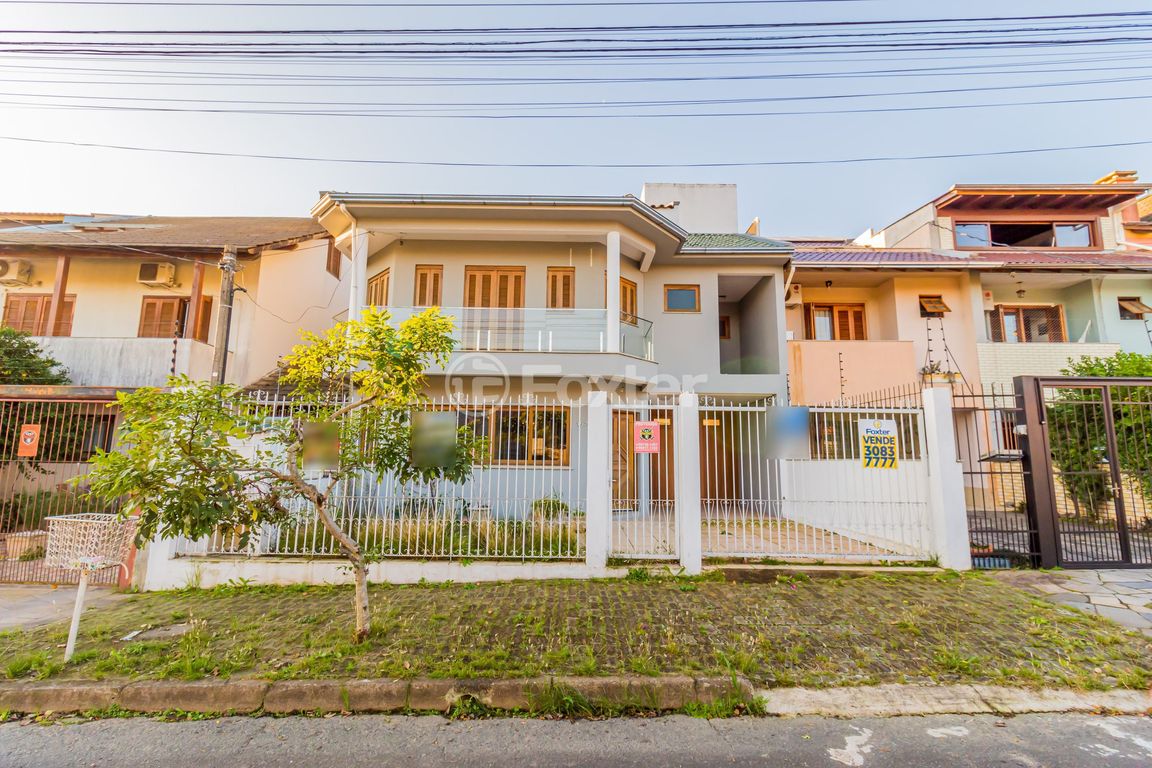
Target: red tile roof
[
  {"x": 877, "y": 256},
  {"x": 1066, "y": 259},
  {"x": 1000, "y": 258}
]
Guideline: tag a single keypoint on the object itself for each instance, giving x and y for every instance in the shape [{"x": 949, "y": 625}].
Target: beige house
[
  {"x": 127, "y": 301},
  {"x": 604, "y": 290}
]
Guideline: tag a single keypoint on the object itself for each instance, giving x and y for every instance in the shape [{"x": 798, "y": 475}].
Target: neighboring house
[
  {"x": 127, "y": 301},
  {"x": 986, "y": 281},
  {"x": 611, "y": 291}
]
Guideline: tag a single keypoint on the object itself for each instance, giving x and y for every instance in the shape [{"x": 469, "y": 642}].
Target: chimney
[
  {"x": 702, "y": 208},
  {"x": 1119, "y": 177}
]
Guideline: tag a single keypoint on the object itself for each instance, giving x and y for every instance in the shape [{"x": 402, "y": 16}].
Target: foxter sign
[{"x": 879, "y": 443}]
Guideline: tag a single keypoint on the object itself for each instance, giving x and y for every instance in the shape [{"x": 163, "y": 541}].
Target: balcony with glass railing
[{"x": 540, "y": 330}]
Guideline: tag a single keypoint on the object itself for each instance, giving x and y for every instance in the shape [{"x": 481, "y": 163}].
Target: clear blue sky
[{"x": 813, "y": 200}]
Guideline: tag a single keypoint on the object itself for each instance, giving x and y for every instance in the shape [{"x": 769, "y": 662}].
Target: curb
[
  {"x": 669, "y": 693},
  {"x": 283, "y": 697},
  {"x": 901, "y": 700}
]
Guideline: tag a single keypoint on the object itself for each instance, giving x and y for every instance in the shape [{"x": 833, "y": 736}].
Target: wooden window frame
[
  {"x": 435, "y": 273},
  {"x": 334, "y": 259},
  {"x": 725, "y": 327},
  {"x": 629, "y": 301},
  {"x": 1093, "y": 234},
  {"x": 182, "y": 302},
  {"x": 554, "y": 292},
  {"x": 694, "y": 287},
  {"x": 1127, "y": 313},
  {"x": 40, "y": 324},
  {"x": 383, "y": 277},
  {"x": 933, "y": 300},
  {"x": 473, "y": 269},
  {"x": 490, "y": 414},
  {"x": 1003, "y": 309},
  {"x": 810, "y": 320}
]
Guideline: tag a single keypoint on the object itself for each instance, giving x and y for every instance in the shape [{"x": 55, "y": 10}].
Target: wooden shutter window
[
  {"x": 205, "y": 319},
  {"x": 561, "y": 288},
  {"x": 28, "y": 312},
  {"x": 628, "y": 308},
  {"x": 427, "y": 285},
  {"x": 847, "y": 321},
  {"x": 334, "y": 259},
  {"x": 162, "y": 316},
  {"x": 378, "y": 289},
  {"x": 494, "y": 287}
]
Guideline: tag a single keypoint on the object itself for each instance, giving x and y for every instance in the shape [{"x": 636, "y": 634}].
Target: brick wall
[{"x": 999, "y": 363}]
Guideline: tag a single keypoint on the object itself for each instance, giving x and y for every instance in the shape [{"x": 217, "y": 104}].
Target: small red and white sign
[
  {"x": 29, "y": 444},
  {"x": 646, "y": 437}
]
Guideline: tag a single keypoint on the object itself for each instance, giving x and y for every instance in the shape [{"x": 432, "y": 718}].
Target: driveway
[{"x": 1123, "y": 595}]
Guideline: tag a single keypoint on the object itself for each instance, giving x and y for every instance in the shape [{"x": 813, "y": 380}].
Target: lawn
[{"x": 792, "y": 630}]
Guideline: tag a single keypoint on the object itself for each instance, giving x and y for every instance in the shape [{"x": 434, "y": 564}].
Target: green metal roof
[{"x": 733, "y": 242}]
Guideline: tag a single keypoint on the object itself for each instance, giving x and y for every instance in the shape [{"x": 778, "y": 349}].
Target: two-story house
[
  {"x": 612, "y": 292},
  {"x": 127, "y": 301},
  {"x": 986, "y": 282}
]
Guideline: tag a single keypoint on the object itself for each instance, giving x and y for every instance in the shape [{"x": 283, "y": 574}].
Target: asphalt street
[{"x": 347, "y": 742}]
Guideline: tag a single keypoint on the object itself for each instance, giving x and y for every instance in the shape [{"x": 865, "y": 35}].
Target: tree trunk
[{"x": 360, "y": 569}]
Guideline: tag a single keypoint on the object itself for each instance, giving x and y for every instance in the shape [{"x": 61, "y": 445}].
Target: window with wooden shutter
[
  {"x": 835, "y": 322},
  {"x": 378, "y": 289},
  {"x": 28, "y": 312},
  {"x": 162, "y": 316},
  {"x": 561, "y": 287},
  {"x": 334, "y": 259},
  {"x": 629, "y": 310},
  {"x": 494, "y": 287},
  {"x": 204, "y": 322},
  {"x": 427, "y": 289}
]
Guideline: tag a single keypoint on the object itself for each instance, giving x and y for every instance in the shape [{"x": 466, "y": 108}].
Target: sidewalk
[
  {"x": 23, "y": 606},
  {"x": 1122, "y": 595}
]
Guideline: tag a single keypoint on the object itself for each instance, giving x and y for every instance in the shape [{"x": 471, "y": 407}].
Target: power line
[
  {"x": 453, "y": 164},
  {"x": 530, "y": 4}
]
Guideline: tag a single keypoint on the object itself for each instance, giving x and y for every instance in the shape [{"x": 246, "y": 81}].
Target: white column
[
  {"x": 688, "y": 483},
  {"x": 358, "y": 282},
  {"x": 947, "y": 511},
  {"x": 598, "y": 486},
  {"x": 612, "y": 288}
]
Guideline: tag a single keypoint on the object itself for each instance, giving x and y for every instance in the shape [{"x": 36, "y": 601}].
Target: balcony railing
[{"x": 539, "y": 330}]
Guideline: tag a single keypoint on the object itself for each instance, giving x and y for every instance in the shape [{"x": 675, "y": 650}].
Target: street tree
[{"x": 198, "y": 459}]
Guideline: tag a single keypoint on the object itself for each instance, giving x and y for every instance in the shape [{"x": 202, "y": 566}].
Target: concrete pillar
[
  {"x": 688, "y": 483},
  {"x": 358, "y": 281},
  {"x": 598, "y": 488},
  {"x": 612, "y": 290},
  {"x": 947, "y": 511}
]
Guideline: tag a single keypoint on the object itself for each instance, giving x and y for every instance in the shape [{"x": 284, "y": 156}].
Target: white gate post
[
  {"x": 687, "y": 462},
  {"x": 947, "y": 510},
  {"x": 598, "y": 486}
]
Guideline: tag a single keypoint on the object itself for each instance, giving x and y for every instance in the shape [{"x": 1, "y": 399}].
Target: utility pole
[{"x": 224, "y": 317}]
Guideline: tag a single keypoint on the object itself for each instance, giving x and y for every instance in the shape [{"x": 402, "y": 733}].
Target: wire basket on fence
[{"x": 88, "y": 541}]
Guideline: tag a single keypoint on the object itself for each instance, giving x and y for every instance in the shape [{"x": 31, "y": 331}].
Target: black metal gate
[
  {"x": 1001, "y": 527},
  {"x": 47, "y": 437},
  {"x": 1088, "y": 453}
]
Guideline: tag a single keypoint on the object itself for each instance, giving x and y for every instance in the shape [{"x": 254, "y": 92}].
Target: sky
[{"x": 808, "y": 200}]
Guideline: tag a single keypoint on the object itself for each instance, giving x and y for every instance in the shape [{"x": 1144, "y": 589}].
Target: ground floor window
[{"x": 524, "y": 435}]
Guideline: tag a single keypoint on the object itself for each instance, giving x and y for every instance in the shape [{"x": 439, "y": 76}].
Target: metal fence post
[
  {"x": 688, "y": 483},
  {"x": 598, "y": 496},
  {"x": 1036, "y": 460},
  {"x": 946, "y": 506}
]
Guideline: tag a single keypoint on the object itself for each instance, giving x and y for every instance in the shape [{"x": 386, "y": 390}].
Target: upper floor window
[
  {"x": 835, "y": 322},
  {"x": 933, "y": 306},
  {"x": 629, "y": 308},
  {"x": 429, "y": 278},
  {"x": 1072, "y": 234},
  {"x": 378, "y": 289},
  {"x": 1132, "y": 308},
  {"x": 333, "y": 259},
  {"x": 496, "y": 287},
  {"x": 28, "y": 312},
  {"x": 681, "y": 298},
  {"x": 561, "y": 287}
]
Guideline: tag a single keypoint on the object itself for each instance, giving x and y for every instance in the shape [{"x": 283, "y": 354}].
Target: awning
[
  {"x": 1136, "y": 307},
  {"x": 936, "y": 306}
]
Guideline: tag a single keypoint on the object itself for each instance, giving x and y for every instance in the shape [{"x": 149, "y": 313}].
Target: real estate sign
[
  {"x": 646, "y": 437},
  {"x": 29, "y": 444},
  {"x": 879, "y": 443}
]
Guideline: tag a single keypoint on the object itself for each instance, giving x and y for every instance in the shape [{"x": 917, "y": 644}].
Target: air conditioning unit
[
  {"x": 795, "y": 295},
  {"x": 157, "y": 274},
  {"x": 15, "y": 272}
]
